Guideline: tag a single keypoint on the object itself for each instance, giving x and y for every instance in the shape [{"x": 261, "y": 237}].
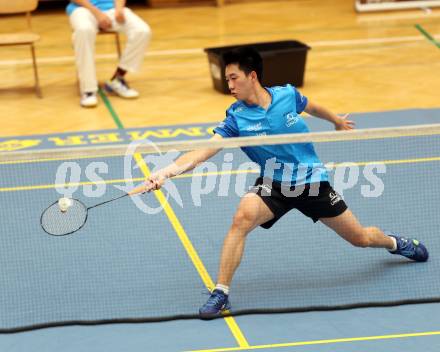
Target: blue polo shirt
[
  {"x": 103, "y": 5},
  {"x": 288, "y": 163}
]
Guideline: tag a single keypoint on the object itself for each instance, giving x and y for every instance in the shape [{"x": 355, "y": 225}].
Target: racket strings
[{"x": 58, "y": 223}]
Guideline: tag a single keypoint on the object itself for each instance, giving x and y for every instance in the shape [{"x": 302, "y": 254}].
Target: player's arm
[
  {"x": 340, "y": 122},
  {"x": 189, "y": 161},
  {"x": 182, "y": 164}
]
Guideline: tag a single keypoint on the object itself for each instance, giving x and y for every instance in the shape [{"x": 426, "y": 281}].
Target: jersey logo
[
  {"x": 254, "y": 128},
  {"x": 266, "y": 188},
  {"x": 334, "y": 198},
  {"x": 291, "y": 119}
]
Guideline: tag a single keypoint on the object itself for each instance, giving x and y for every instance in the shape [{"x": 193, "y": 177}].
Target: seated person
[{"x": 87, "y": 17}]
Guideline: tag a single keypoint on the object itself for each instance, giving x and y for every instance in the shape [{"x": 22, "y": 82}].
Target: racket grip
[{"x": 137, "y": 190}]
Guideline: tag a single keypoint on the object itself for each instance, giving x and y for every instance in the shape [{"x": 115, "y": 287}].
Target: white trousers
[{"x": 85, "y": 28}]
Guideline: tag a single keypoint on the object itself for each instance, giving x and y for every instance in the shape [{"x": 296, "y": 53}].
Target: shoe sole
[
  {"x": 209, "y": 316},
  {"x": 112, "y": 92},
  {"x": 89, "y": 106}
]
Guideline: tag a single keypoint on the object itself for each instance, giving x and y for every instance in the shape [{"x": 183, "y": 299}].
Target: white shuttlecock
[{"x": 64, "y": 204}]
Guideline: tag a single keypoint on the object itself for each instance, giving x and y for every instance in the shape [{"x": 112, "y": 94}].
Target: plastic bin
[{"x": 283, "y": 62}]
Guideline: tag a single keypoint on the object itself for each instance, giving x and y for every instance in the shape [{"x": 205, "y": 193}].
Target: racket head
[{"x": 57, "y": 223}]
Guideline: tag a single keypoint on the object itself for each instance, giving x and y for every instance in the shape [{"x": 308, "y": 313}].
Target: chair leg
[
  {"x": 37, "y": 81},
  {"x": 118, "y": 45}
]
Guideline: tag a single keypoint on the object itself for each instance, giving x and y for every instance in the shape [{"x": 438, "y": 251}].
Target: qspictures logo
[{"x": 224, "y": 178}]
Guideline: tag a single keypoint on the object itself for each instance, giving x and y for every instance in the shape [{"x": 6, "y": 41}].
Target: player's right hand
[
  {"x": 104, "y": 22},
  {"x": 154, "y": 182},
  {"x": 119, "y": 15}
]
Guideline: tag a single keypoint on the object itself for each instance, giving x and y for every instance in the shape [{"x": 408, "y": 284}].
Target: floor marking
[
  {"x": 320, "y": 342},
  {"x": 110, "y": 109},
  {"x": 329, "y": 166},
  {"x": 427, "y": 35}
]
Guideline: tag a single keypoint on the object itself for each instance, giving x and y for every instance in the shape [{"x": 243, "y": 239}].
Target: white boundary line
[
  {"x": 420, "y": 4},
  {"x": 199, "y": 51},
  {"x": 370, "y": 41},
  {"x": 64, "y": 59}
]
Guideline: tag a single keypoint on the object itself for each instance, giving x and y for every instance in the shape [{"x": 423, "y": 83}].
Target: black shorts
[{"x": 315, "y": 200}]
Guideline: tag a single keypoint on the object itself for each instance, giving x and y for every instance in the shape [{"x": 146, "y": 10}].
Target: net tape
[{"x": 315, "y": 137}]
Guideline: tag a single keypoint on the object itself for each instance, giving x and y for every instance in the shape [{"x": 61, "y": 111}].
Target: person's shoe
[
  {"x": 410, "y": 248},
  {"x": 88, "y": 100},
  {"x": 119, "y": 86},
  {"x": 216, "y": 304}
]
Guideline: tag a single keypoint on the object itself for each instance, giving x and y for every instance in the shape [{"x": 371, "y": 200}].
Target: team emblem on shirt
[
  {"x": 264, "y": 187},
  {"x": 291, "y": 119},
  {"x": 255, "y": 127},
  {"x": 334, "y": 198}
]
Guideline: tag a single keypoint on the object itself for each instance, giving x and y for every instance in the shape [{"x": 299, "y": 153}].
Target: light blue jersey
[
  {"x": 103, "y": 5},
  {"x": 289, "y": 163}
]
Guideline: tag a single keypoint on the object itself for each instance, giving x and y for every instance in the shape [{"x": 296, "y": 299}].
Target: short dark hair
[{"x": 247, "y": 58}]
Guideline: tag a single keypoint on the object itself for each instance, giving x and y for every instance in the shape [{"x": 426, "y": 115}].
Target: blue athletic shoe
[
  {"x": 216, "y": 304},
  {"x": 410, "y": 248}
]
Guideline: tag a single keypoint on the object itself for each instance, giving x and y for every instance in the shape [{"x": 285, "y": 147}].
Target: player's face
[{"x": 239, "y": 83}]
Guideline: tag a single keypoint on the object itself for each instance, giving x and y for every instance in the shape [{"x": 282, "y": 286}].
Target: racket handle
[{"x": 137, "y": 190}]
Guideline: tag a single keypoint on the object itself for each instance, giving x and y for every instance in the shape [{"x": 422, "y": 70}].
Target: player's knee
[{"x": 243, "y": 220}]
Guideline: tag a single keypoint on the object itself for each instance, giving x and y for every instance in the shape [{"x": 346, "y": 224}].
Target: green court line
[
  {"x": 427, "y": 35},
  {"x": 110, "y": 109}
]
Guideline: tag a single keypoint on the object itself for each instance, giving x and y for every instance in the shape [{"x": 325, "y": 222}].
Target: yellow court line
[
  {"x": 320, "y": 342},
  {"x": 190, "y": 250},
  {"x": 12, "y": 162},
  {"x": 216, "y": 173},
  {"x": 388, "y": 162},
  {"x": 201, "y": 174},
  {"x": 137, "y": 179},
  {"x": 65, "y": 185}
]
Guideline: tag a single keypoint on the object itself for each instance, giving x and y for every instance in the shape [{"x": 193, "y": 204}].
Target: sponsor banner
[{"x": 107, "y": 137}]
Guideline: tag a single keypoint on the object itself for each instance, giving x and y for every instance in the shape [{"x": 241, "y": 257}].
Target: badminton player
[{"x": 269, "y": 111}]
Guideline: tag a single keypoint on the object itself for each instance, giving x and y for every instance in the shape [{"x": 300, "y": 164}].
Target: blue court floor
[{"x": 399, "y": 328}]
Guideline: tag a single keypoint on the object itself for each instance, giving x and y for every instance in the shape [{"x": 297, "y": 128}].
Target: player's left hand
[
  {"x": 119, "y": 16},
  {"x": 344, "y": 124}
]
